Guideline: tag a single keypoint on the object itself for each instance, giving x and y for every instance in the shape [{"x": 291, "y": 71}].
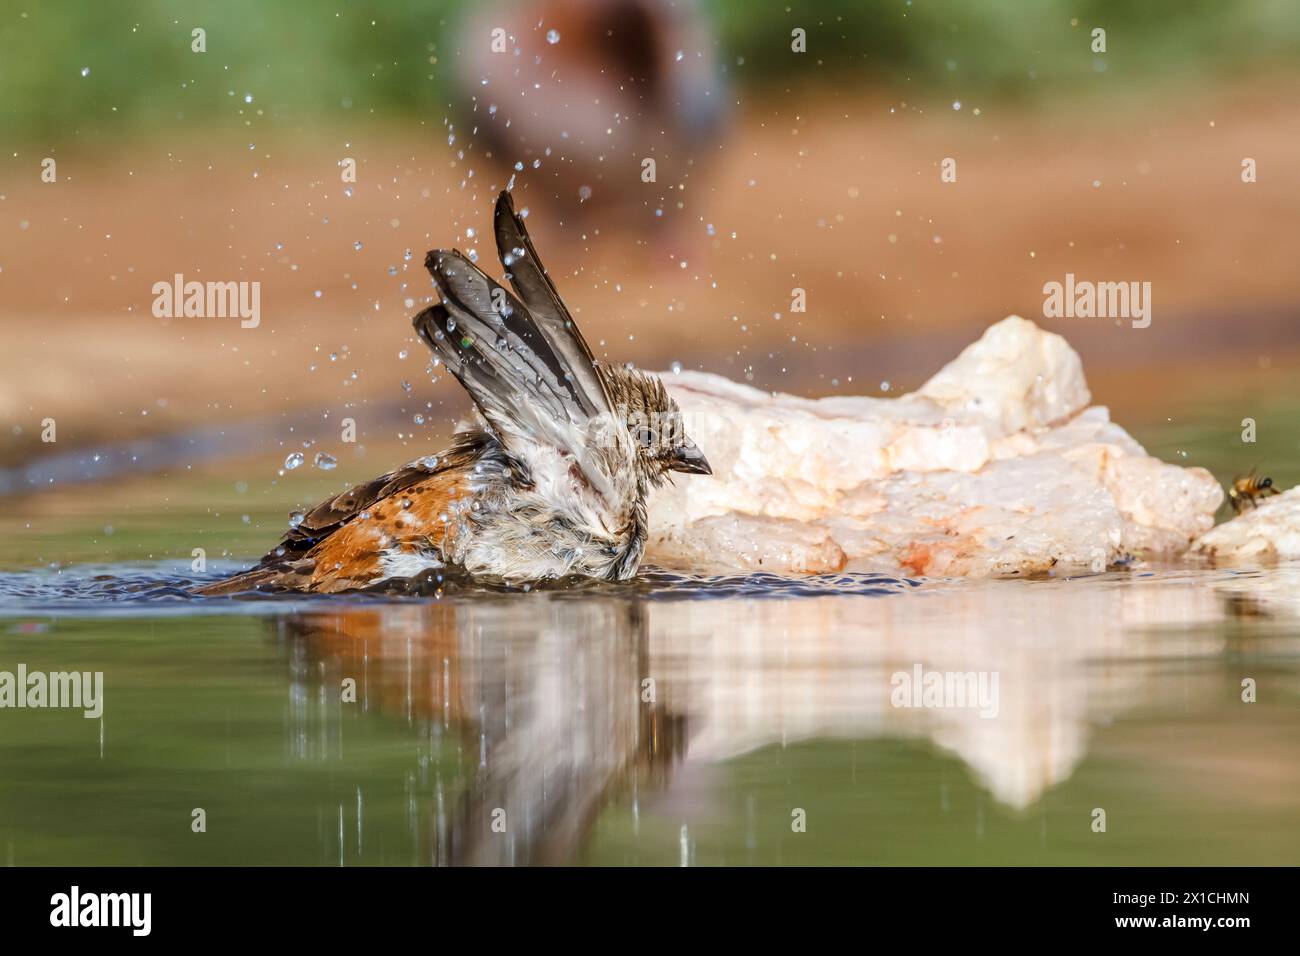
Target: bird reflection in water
[{"x": 550, "y": 705}]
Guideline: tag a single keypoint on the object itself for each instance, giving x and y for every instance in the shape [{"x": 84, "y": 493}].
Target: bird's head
[{"x": 655, "y": 423}]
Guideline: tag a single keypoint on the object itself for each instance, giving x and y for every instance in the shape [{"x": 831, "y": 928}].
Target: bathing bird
[{"x": 551, "y": 480}]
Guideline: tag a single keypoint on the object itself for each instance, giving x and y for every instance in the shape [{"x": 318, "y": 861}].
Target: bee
[{"x": 1248, "y": 490}]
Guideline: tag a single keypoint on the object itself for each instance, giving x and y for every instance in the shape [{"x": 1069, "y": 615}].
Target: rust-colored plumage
[{"x": 339, "y": 545}]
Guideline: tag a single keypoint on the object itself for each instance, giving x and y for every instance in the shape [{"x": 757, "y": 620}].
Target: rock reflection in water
[{"x": 562, "y": 702}]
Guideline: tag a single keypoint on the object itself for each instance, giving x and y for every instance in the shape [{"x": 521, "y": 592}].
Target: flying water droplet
[
  {"x": 326, "y": 462},
  {"x": 294, "y": 460}
]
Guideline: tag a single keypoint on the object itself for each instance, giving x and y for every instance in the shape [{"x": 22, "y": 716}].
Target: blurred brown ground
[{"x": 823, "y": 190}]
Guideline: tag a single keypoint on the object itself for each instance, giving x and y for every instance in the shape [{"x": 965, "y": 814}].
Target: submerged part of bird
[
  {"x": 553, "y": 482},
  {"x": 997, "y": 465}
]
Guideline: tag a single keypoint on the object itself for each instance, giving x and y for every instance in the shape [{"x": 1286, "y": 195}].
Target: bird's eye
[
  {"x": 645, "y": 437},
  {"x": 1266, "y": 482}
]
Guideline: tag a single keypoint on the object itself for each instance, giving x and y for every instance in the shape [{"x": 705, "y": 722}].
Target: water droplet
[
  {"x": 295, "y": 518},
  {"x": 294, "y": 460},
  {"x": 85, "y": 71},
  {"x": 552, "y": 36},
  {"x": 326, "y": 462}
]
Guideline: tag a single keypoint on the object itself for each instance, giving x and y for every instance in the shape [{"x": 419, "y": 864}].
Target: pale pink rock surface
[{"x": 997, "y": 465}]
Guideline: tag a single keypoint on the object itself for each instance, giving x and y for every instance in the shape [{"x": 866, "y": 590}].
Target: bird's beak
[{"x": 690, "y": 460}]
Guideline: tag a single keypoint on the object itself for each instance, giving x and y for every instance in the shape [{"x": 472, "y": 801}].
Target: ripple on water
[{"x": 167, "y": 589}]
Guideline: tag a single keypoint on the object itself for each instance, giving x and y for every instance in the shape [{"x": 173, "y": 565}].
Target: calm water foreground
[{"x": 677, "y": 721}]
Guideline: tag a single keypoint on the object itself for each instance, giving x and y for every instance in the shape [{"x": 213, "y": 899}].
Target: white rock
[
  {"x": 1269, "y": 532},
  {"x": 995, "y": 466},
  {"x": 1016, "y": 376}
]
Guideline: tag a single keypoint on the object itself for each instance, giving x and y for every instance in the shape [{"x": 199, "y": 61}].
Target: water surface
[{"x": 677, "y": 721}]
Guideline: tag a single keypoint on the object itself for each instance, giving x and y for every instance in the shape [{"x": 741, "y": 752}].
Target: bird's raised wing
[
  {"x": 537, "y": 402},
  {"x": 534, "y": 286}
]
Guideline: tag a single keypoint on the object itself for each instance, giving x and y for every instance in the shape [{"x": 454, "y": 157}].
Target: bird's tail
[{"x": 254, "y": 579}]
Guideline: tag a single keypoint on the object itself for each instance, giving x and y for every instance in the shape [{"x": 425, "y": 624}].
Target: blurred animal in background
[
  {"x": 1246, "y": 492},
  {"x": 610, "y": 106}
]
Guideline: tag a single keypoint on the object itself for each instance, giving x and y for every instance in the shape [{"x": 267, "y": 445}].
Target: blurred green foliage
[
  {"x": 305, "y": 63},
  {"x": 1013, "y": 47}
]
